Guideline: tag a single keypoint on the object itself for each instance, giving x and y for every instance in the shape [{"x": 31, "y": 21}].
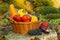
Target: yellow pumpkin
[
  {"x": 22, "y": 12},
  {"x": 34, "y": 19}
]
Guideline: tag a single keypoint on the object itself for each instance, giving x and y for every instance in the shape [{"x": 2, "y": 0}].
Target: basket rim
[
  {"x": 14, "y": 22},
  {"x": 24, "y": 22}
]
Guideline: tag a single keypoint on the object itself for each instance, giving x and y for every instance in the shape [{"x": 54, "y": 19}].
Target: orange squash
[{"x": 12, "y": 10}]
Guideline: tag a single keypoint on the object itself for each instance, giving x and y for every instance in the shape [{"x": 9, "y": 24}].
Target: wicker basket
[{"x": 23, "y": 27}]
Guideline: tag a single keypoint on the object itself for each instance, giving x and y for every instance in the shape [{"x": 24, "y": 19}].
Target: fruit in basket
[
  {"x": 12, "y": 11},
  {"x": 34, "y": 19},
  {"x": 22, "y": 12},
  {"x": 26, "y": 18},
  {"x": 17, "y": 18}
]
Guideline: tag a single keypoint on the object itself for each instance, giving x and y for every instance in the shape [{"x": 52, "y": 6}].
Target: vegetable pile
[{"x": 22, "y": 15}]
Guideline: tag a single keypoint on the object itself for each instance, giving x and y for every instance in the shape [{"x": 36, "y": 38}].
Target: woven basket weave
[{"x": 23, "y": 27}]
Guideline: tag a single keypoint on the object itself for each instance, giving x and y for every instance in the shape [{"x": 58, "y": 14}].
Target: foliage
[
  {"x": 42, "y": 2},
  {"x": 55, "y": 21},
  {"x": 53, "y": 16},
  {"x": 44, "y": 20},
  {"x": 46, "y": 10},
  {"x": 8, "y": 1},
  {"x": 3, "y": 8}
]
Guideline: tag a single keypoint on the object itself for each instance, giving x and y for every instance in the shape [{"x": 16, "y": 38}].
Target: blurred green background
[{"x": 48, "y": 9}]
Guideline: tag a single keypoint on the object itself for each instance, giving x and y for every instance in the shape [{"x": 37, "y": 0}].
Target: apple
[
  {"x": 26, "y": 18},
  {"x": 17, "y": 18},
  {"x": 44, "y": 24}
]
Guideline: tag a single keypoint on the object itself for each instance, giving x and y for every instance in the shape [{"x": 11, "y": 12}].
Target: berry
[
  {"x": 35, "y": 32},
  {"x": 38, "y": 32},
  {"x": 32, "y": 32}
]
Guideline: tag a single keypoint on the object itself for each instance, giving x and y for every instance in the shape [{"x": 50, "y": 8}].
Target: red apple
[
  {"x": 45, "y": 24},
  {"x": 26, "y": 18},
  {"x": 17, "y": 18}
]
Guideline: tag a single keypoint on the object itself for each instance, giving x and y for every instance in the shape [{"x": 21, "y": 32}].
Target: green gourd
[
  {"x": 46, "y": 10},
  {"x": 53, "y": 16}
]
